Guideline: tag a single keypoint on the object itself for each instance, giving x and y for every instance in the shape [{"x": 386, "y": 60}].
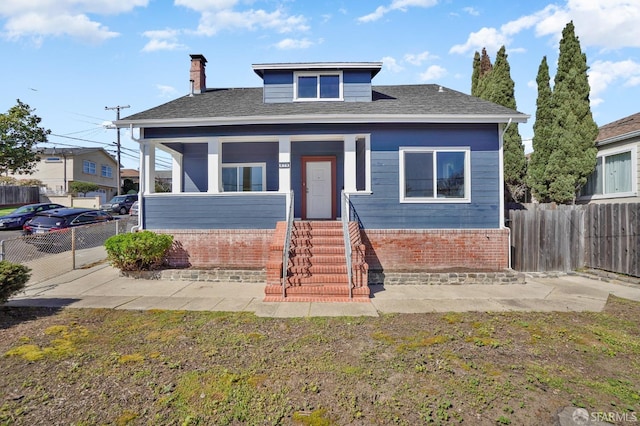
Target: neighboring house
[
  {"x": 163, "y": 178},
  {"x": 58, "y": 167},
  {"x": 616, "y": 177},
  {"x": 421, "y": 166}
]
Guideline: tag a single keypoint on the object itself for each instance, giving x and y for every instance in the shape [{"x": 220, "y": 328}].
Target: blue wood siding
[
  {"x": 194, "y": 166},
  {"x": 185, "y": 211},
  {"x": 254, "y": 152},
  {"x": 383, "y": 210},
  {"x": 278, "y": 86}
]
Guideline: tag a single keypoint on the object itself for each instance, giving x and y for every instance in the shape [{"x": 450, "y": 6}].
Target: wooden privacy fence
[
  {"x": 17, "y": 195},
  {"x": 566, "y": 238}
]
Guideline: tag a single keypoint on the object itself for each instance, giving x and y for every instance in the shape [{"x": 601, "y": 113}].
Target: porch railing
[
  {"x": 346, "y": 208},
  {"x": 287, "y": 244}
]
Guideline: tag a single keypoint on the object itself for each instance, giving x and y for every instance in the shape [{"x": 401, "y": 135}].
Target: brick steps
[{"x": 316, "y": 269}]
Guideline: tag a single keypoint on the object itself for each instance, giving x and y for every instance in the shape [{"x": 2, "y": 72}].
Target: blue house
[{"x": 329, "y": 175}]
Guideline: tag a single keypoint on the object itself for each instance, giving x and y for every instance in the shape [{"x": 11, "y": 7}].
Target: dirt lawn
[{"x": 90, "y": 367}]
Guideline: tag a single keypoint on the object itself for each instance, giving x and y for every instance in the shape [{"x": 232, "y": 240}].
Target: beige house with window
[
  {"x": 58, "y": 167},
  {"x": 617, "y": 177}
]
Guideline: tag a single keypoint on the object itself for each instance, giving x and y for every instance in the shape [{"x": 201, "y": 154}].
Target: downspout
[
  {"x": 138, "y": 227},
  {"x": 501, "y": 171}
]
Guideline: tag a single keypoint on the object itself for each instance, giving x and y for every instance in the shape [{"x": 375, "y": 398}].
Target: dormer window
[{"x": 318, "y": 86}]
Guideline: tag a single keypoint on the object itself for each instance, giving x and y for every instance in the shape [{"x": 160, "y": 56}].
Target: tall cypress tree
[
  {"x": 573, "y": 130},
  {"x": 475, "y": 75},
  {"x": 537, "y": 177},
  {"x": 496, "y": 85}
]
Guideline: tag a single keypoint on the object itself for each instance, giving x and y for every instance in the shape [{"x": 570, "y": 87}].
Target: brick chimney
[{"x": 197, "y": 74}]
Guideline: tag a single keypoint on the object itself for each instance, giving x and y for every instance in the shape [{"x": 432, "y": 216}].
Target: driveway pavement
[{"x": 101, "y": 286}]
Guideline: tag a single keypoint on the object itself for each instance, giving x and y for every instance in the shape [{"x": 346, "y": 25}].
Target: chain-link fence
[{"x": 54, "y": 253}]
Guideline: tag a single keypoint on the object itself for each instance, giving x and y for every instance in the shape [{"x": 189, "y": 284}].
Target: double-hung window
[
  {"x": 318, "y": 86},
  {"x": 613, "y": 175},
  {"x": 88, "y": 167},
  {"x": 245, "y": 177},
  {"x": 435, "y": 175},
  {"x": 106, "y": 171}
]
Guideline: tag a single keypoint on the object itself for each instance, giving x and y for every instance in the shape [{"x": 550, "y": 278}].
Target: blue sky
[{"x": 69, "y": 59}]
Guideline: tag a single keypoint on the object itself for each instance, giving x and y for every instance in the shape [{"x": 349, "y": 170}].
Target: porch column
[
  {"x": 284, "y": 160},
  {"x": 149, "y": 175},
  {"x": 213, "y": 166},
  {"x": 176, "y": 173},
  {"x": 349, "y": 163}
]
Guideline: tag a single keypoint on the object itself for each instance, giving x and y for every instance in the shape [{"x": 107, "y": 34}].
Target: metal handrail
[
  {"x": 346, "y": 209},
  {"x": 287, "y": 244}
]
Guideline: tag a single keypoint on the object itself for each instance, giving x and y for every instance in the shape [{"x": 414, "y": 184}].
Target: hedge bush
[
  {"x": 13, "y": 278},
  {"x": 138, "y": 251}
]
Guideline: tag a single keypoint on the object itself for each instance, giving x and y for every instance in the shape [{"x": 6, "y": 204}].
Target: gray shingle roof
[{"x": 402, "y": 102}]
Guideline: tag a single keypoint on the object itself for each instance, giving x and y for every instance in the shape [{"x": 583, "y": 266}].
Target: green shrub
[
  {"x": 138, "y": 251},
  {"x": 13, "y": 278}
]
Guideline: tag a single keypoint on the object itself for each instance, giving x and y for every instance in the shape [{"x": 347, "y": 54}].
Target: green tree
[
  {"x": 475, "y": 75},
  {"x": 496, "y": 85},
  {"x": 19, "y": 135},
  {"x": 79, "y": 187},
  {"x": 537, "y": 176},
  {"x": 573, "y": 130}
]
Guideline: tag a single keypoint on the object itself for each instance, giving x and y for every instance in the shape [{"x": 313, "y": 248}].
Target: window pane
[
  {"x": 308, "y": 87},
  {"x": 229, "y": 179},
  {"x": 618, "y": 173},
  {"x": 594, "y": 181},
  {"x": 251, "y": 179},
  {"x": 450, "y": 174},
  {"x": 418, "y": 174},
  {"x": 329, "y": 86}
]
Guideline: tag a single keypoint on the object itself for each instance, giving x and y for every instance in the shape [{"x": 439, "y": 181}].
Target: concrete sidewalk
[{"x": 102, "y": 287}]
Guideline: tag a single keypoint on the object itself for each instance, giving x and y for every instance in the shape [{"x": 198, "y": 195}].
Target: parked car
[
  {"x": 120, "y": 203},
  {"x": 50, "y": 230},
  {"x": 17, "y": 218},
  {"x": 134, "y": 209}
]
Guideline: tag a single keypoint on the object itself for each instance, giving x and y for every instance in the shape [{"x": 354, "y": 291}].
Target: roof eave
[
  {"x": 323, "y": 119},
  {"x": 618, "y": 138}
]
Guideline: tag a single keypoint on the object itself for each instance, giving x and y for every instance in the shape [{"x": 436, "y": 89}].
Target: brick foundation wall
[
  {"x": 230, "y": 248},
  {"x": 436, "y": 250}
]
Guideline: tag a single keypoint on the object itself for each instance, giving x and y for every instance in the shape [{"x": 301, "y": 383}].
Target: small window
[
  {"x": 88, "y": 167},
  {"x": 52, "y": 160},
  {"x": 434, "y": 175},
  {"x": 106, "y": 171},
  {"x": 318, "y": 86},
  {"x": 612, "y": 175},
  {"x": 249, "y": 177}
]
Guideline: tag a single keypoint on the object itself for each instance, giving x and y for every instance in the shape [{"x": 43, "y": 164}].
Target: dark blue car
[{"x": 17, "y": 218}]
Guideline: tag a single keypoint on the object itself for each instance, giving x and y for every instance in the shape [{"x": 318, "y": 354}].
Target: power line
[{"x": 117, "y": 109}]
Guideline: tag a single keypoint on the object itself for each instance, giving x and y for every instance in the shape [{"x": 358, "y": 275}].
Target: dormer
[{"x": 317, "y": 81}]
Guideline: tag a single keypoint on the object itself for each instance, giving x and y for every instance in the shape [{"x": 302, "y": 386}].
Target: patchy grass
[{"x": 199, "y": 368}]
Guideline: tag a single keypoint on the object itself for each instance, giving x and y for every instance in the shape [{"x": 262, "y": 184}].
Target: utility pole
[{"x": 117, "y": 109}]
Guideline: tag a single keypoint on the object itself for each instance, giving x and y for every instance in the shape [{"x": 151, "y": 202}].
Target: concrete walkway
[{"x": 102, "y": 287}]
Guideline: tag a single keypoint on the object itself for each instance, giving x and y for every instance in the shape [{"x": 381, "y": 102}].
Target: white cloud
[
  {"x": 604, "y": 73},
  {"x": 41, "y": 19},
  {"x": 290, "y": 43},
  {"x": 401, "y": 5},
  {"x": 532, "y": 84},
  {"x": 391, "y": 64},
  {"x": 219, "y": 15},
  {"x": 434, "y": 72},
  {"x": 162, "y": 40},
  {"x": 166, "y": 91},
  {"x": 489, "y": 38},
  {"x": 418, "y": 59},
  {"x": 471, "y": 11}
]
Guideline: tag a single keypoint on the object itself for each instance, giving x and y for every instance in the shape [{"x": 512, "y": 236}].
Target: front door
[{"x": 318, "y": 196}]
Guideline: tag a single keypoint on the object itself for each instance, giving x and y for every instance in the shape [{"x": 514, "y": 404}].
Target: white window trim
[
  {"x": 435, "y": 150},
  {"x": 86, "y": 169},
  {"x": 236, "y": 165},
  {"x": 104, "y": 167},
  {"x": 317, "y": 74},
  {"x": 634, "y": 173}
]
